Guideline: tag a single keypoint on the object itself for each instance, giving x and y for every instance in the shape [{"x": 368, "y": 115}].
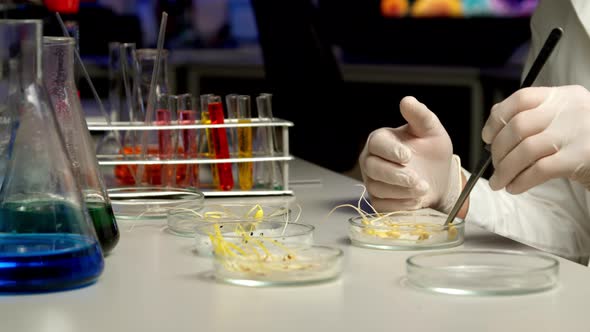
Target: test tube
[
  {"x": 187, "y": 115},
  {"x": 165, "y": 141},
  {"x": 219, "y": 138},
  {"x": 267, "y": 174},
  {"x": 244, "y": 114},
  {"x": 208, "y": 139},
  {"x": 231, "y": 104}
]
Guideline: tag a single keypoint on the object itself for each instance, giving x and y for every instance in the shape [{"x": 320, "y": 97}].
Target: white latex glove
[
  {"x": 538, "y": 134},
  {"x": 412, "y": 166}
]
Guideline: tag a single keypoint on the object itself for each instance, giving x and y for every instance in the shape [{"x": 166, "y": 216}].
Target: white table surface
[{"x": 154, "y": 282}]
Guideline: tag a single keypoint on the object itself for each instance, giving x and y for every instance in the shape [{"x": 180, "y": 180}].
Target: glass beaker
[
  {"x": 58, "y": 76},
  {"x": 47, "y": 241}
]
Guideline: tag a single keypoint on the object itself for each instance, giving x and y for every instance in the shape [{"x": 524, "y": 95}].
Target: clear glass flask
[
  {"x": 146, "y": 58},
  {"x": 47, "y": 241},
  {"x": 58, "y": 76}
]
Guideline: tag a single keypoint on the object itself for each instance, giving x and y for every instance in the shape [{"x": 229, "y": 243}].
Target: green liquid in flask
[
  {"x": 40, "y": 216},
  {"x": 105, "y": 225}
]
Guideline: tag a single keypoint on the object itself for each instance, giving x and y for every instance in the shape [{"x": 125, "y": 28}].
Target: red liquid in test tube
[
  {"x": 220, "y": 145},
  {"x": 190, "y": 147}
]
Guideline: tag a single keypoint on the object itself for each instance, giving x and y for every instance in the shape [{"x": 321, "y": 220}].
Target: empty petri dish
[
  {"x": 412, "y": 230},
  {"x": 151, "y": 202},
  {"x": 183, "y": 218},
  {"x": 482, "y": 272},
  {"x": 304, "y": 266},
  {"x": 267, "y": 235}
]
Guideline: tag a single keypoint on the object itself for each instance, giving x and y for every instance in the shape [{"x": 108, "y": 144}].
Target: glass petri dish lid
[
  {"x": 314, "y": 264},
  {"x": 482, "y": 272},
  {"x": 151, "y": 202},
  {"x": 264, "y": 236},
  {"x": 408, "y": 230},
  {"x": 183, "y": 219}
]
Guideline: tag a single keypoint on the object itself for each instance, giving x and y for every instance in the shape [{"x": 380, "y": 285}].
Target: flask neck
[
  {"x": 147, "y": 62},
  {"x": 58, "y": 64}
]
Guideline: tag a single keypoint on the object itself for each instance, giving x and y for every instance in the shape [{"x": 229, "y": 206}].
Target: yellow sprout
[
  {"x": 452, "y": 234},
  {"x": 382, "y": 225},
  {"x": 255, "y": 254},
  {"x": 258, "y": 212}
]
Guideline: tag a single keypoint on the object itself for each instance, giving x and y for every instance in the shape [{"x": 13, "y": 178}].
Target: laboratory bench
[{"x": 153, "y": 281}]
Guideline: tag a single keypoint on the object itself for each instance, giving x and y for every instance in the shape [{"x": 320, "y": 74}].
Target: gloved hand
[
  {"x": 538, "y": 134},
  {"x": 412, "y": 166}
]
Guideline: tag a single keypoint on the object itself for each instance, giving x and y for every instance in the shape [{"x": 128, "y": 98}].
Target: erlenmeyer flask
[
  {"x": 58, "y": 76},
  {"x": 147, "y": 60},
  {"x": 7, "y": 116},
  {"x": 46, "y": 239}
]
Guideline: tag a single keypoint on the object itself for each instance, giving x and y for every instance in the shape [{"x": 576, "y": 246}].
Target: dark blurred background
[{"x": 337, "y": 68}]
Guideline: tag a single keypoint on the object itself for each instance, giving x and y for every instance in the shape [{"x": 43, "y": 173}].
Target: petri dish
[
  {"x": 314, "y": 264},
  {"x": 151, "y": 202},
  {"x": 271, "y": 234},
  {"x": 482, "y": 272},
  {"x": 183, "y": 218},
  {"x": 412, "y": 230}
]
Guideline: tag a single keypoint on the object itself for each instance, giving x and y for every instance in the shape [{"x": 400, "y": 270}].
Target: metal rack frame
[{"x": 283, "y": 158}]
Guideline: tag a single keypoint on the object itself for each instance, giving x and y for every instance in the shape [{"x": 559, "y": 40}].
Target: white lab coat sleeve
[{"x": 552, "y": 217}]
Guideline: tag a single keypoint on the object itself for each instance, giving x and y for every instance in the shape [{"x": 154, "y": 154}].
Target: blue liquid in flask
[{"x": 32, "y": 259}]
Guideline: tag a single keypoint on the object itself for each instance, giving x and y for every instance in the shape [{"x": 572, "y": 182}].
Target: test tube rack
[{"x": 279, "y": 155}]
